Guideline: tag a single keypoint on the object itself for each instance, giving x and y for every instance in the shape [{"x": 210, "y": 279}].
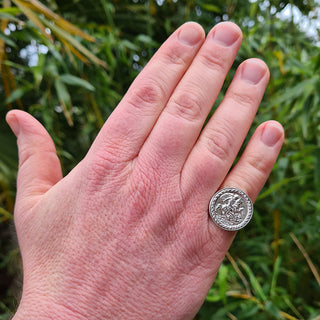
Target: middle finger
[{"x": 180, "y": 123}]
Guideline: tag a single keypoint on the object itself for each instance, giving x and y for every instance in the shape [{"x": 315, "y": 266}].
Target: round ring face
[{"x": 231, "y": 209}]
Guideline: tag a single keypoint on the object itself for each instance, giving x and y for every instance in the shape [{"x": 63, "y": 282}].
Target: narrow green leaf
[
  {"x": 108, "y": 10},
  {"x": 275, "y": 274},
  {"x": 146, "y": 39},
  {"x": 33, "y": 17},
  {"x": 211, "y": 7},
  {"x": 7, "y": 16},
  {"x": 7, "y": 40},
  {"x": 212, "y": 296},
  {"x": 273, "y": 310},
  {"x": 5, "y": 215},
  {"x": 62, "y": 33},
  {"x": 317, "y": 170},
  {"x": 75, "y": 81},
  {"x": 276, "y": 186},
  {"x": 128, "y": 44},
  {"x": 10, "y": 10},
  {"x": 15, "y": 65},
  {"x": 222, "y": 279},
  {"x": 18, "y": 93},
  {"x": 62, "y": 92},
  {"x": 254, "y": 281},
  {"x": 294, "y": 92}
]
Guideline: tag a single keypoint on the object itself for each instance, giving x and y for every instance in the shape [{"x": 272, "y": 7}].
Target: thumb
[{"x": 39, "y": 166}]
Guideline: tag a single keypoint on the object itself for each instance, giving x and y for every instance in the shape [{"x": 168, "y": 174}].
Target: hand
[{"x": 127, "y": 235}]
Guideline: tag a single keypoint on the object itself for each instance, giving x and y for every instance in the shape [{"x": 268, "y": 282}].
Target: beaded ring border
[{"x": 231, "y": 209}]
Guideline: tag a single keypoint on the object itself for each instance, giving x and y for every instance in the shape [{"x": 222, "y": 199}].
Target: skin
[{"x": 127, "y": 235}]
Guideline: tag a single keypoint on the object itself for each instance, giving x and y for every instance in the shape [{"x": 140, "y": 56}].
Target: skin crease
[{"x": 126, "y": 234}]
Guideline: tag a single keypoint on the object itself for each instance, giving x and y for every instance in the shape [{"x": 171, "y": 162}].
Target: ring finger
[{"x": 221, "y": 139}]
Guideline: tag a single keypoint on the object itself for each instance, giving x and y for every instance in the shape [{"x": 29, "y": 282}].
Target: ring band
[{"x": 231, "y": 209}]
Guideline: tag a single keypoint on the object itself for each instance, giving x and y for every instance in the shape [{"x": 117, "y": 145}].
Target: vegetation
[{"x": 71, "y": 72}]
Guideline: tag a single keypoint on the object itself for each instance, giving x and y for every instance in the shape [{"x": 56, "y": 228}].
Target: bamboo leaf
[
  {"x": 12, "y": 11},
  {"x": 222, "y": 278},
  {"x": 146, "y": 39},
  {"x": 307, "y": 257},
  {"x": 5, "y": 215},
  {"x": 273, "y": 310},
  {"x": 9, "y": 17},
  {"x": 40, "y": 8},
  {"x": 64, "y": 24},
  {"x": 277, "y": 186},
  {"x": 7, "y": 40},
  {"x": 62, "y": 92},
  {"x": 67, "y": 26},
  {"x": 212, "y": 297},
  {"x": 33, "y": 17},
  {"x": 77, "y": 45},
  {"x": 108, "y": 10},
  {"x": 294, "y": 92},
  {"x": 75, "y": 81},
  {"x": 288, "y": 316},
  {"x": 275, "y": 274},
  {"x": 65, "y": 99},
  {"x": 317, "y": 170},
  {"x": 68, "y": 48},
  {"x": 71, "y": 49},
  {"x": 254, "y": 281},
  {"x": 210, "y": 7},
  {"x": 17, "y": 94}
]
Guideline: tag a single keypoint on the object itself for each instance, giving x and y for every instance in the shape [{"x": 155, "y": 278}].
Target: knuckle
[
  {"x": 219, "y": 142},
  {"x": 251, "y": 186},
  {"x": 146, "y": 96},
  {"x": 244, "y": 98},
  {"x": 215, "y": 62},
  {"x": 25, "y": 154},
  {"x": 176, "y": 56},
  {"x": 107, "y": 161},
  {"x": 140, "y": 193},
  {"x": 98, "y": 169},
  {"x": 186, "y": 105},
  {"x": 253, "y": 174},
  {"x": 30, "y": 149},
  {"x": 260, "y": 164}
]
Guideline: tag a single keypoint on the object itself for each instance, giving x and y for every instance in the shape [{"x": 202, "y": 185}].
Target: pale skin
[{"x": 127, "y": 235}]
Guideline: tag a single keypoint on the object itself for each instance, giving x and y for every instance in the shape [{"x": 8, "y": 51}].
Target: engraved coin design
[{"x": 231, "y": 209}]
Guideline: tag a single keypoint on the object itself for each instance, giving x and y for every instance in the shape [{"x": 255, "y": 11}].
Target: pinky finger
[{"x": 256, "y": 163}]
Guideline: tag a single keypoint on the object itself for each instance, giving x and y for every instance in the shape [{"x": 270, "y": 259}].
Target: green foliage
[{"x": 71, "y": 80}]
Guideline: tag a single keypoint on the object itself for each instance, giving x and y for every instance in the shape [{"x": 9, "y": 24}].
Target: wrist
[{"x": 42, "y": 309}]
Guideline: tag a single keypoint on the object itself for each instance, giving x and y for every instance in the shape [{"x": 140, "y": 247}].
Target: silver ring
[{"x": 231, "y": 209}]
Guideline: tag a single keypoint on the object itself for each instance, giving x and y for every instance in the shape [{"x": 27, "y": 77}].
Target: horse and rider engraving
[{"x": 231, "y": 207}]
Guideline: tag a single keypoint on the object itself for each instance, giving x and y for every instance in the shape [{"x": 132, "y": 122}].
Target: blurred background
[{"x": 69, "y": 63}]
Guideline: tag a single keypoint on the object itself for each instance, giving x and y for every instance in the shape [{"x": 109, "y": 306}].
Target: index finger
[{"x": 131, "y": 122}]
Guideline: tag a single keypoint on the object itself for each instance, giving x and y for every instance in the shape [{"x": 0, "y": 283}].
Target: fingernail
[
  {"x": 226, "y": 34},
  {"x": 13, "y": 123},
  {"x": 190, "y": 34},
  {"x": 253, "y": 71},
  {"x": 271, "y": 134}
]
